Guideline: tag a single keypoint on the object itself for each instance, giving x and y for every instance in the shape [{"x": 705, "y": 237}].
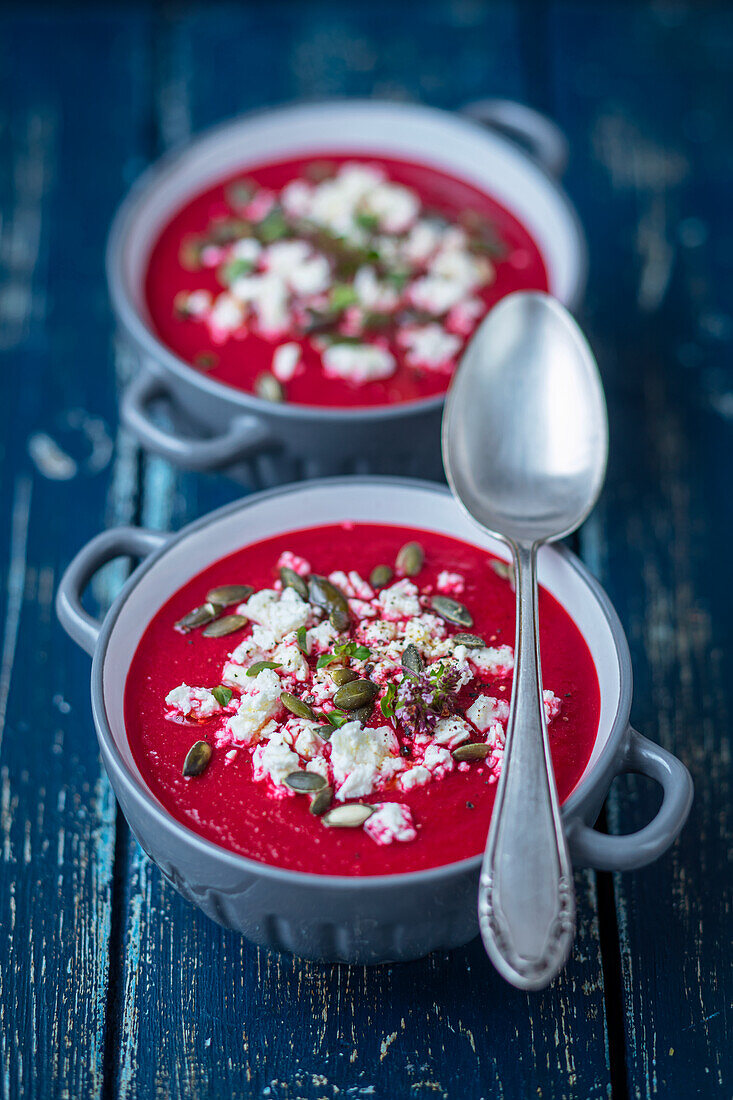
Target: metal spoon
[{"x": 525, "y": 443}]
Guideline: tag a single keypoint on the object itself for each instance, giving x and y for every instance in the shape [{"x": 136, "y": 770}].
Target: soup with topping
[
  {"x": 335, "y": 699},
  {"x": 335, "y": 281}
]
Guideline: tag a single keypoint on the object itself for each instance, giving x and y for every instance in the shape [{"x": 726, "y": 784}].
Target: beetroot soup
[
  {"x": 335, "y": 281},
  {"x": 335, "y": 699}
]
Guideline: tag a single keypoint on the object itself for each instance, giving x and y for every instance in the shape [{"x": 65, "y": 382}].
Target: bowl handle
[
  {"x": 590, "y": 848},
  {"x": 243, "y": 435},
  {"x": 540, "y": 135},
  {"x": 136, "y": 542}
]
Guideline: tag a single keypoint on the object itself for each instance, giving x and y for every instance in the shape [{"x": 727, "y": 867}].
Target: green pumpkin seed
[
  {"x": 451, "y": 610},
  {"x": 197, "y": 759},
  {"x": 342, "y": 676},
  {"x": 227, "y": 594},
  {"x": 297, "y": 706},
  {"x": 351, "y": 816},
  {"x": 321, "y": 801},
  {"x": 380, "y": 575},
  {"x": 362, "y": 714},
  {"x": 411, "y": 659},
  {"x": 198, "y": 617},
  {"x": 473, "y": 751},
  {"x": 410, "y": 559},
  {"x": 268, "y": 388},
  {"x": 328, "y": 596},
  {"x": 290, "y": 579},
  {"x": 471, "y": 641},
  {"x": 355, "y": 694},
  {"x": 325, "y": 731},
  {"x": 305, "y": 782},
  {"x": 226, "y": 625},
  {"x": 503, "y": 569}
]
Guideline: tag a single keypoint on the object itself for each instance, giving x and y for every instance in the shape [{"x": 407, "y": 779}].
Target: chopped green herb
[
  {"x": 326, "y": 659},
  {"x": 233, "y": 270},
  {"x": 223, "y": 695},
  {"x": 352, "y": 649},
  {"x": 386, "y": 705},
  {"x": 367, "y": 221},
  {"x": 342, "y": 295},
  {"x": 337, "y": 718},
  {"x": 260, "y": 666},
  {"x": 301, "y": 640},
  {"x": 273, "y": 227}
]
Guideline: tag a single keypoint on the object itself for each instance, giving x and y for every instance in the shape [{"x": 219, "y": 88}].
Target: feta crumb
[
  {"x": 259, "y": 702},
  {"x": 451, "y": 732},
  {"x": 299, "y": 565},
  {"x": 552, "y": 705},
  {"x": 358, "y": 362},
  {"x": 285, "y": 361},
  {"x": 227, "y": 314},
  {"x": 275, "y": 758},
  {"x": 450, "y": 584},
  {"x": 486, "y": 710},
  {"x": 198, "y": 302},
  {"x": 281, "y": 612},
  {"x": 360, "y": 757},
  {"x": 321, "y": 638},
  {"x": 399, "y": 601},
  {"x": 493, "y": 661},
  {"x": 414, "y": 777},
  {"x": 390, "y": 821},
  {"x": 430, "y": 346},
  {"x": 196, "y": 701},
  {"x": 438, "y": 761}
]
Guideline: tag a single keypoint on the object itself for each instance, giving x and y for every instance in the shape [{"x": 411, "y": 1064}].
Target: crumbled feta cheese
[
  {"x": 227, "y": 314},
  {"x": 285, "y": 361},
  {"x": 289, "y": 560},
  {"x": 399, "y": 601},
  {"x": 358, "y": 362},
  {"x": 430, "y": 346},
  {"x": 428, "y": 633},
  {"x": 275, "y": 759},
  {"x": 395, "y": 206},
  {"x": 493, "y": 661},
  {"x": 295, "y": 198},
  {"x": 552, "y": 705},
  {"x": 390, "y": 821},
  {"x": 351, "y": 585},
  {"x": 421, "y": 241},
  {"x": 486, "y": 710},
  {"x": 267, "y": 293},
  {"x": 320, "y": 639},
  {"x": 259, "y": 702},
  {"x": 256, "y": 647},
  {"x": 247, "y": 249},
  {"x": 438, "y": 761},
  {"x": 450, "y": 584},
  {"x": 414, "y": 777},
  {"x": 312, "y": 277},
  {"x": 291, "y": 660},
  {"x": 360, "y": 757},
  {"x": 281, "y": 612},
  {"x": 372, "y": 294},
  {"x": 198, "y": 302},
  {"x": 196, "y": 701},
  {"x": 452, "y": 731}
]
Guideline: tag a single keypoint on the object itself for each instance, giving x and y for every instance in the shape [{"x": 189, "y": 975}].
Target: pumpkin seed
[
  {"x": 472, "y": 751},
  {"x": 223, "y": 695},
  {"x": 323, "y": 593},
  {"x": 362, "y": 714},
  {"x": 197, "y": 758},
  {"x": 226, "y": 625},
  {"x": 342, "y": 676},
  {"x": 471, "y": 641},
  {"x": 411, "y": 659},
  {"x": 297, "y": 706},
  {"x": 227, "y": 594},
  {"x": 268, "y": 388},
  {"x": 290, "y": 579},
  {"x": 355, "y": 694},
  {"x": 380, "y": 575},
  {"x": 410, "y": 559},
  {"x": 503, "y": 569},
  {"x": 321, "y": 801},
  {"x": 305, "y": 782},
  {"x": 198, "y": 617},
  {"x": 451, "y": 610},
  {"x": 325, "y": 731},
  {"x": 351, "y": 816}
]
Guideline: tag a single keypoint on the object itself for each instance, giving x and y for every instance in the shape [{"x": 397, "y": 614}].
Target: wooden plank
[
  {"x": 645, "y": 93},
  {"x": 68, "y": 126},
  {"x": 203, "y": 1012}
]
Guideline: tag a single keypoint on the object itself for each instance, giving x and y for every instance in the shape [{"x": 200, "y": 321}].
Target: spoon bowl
[
  {"x": 525, "y": 444},
  {"x": 525, "y": 435}
]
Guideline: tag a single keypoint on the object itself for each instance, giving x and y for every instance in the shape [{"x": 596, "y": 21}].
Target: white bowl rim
[
  {"x": 176, "y": 158},
  {"x": 594, "y": 778}
]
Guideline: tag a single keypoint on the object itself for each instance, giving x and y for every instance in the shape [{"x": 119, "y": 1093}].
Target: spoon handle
[{"x": 526, "y": 899}]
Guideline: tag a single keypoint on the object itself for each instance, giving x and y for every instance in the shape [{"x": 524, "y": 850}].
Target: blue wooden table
[{"x": 110, "y": 984}]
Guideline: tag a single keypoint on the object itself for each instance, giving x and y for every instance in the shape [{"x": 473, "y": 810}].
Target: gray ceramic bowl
[
  {"x": 214, "y": 426},
  {"x": 357, "y": 920}
]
